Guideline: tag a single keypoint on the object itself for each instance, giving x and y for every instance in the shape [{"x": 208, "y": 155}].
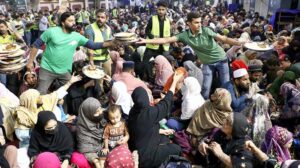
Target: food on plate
[
  {"x": 262, "y": 45},
  {"x": 10, "y": 47},
  {"x": 94, "y": 73},
  {"x": 124, "y": 35}
]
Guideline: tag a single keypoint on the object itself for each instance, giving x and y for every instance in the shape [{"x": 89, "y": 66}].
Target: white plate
[
  {"x": 17, "y": 60},
  {"x": 16, "y": 54},
  {"x": 124, "y": 35},
  {"x": 13, "y": 68},
  {"x": 3, "y": 48},
  {"x": 94, "y": 74},
  {"x": 254, "y": 46}
]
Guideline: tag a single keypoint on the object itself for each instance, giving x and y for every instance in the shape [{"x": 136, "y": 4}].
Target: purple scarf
[{"x": 275, "y": 140}]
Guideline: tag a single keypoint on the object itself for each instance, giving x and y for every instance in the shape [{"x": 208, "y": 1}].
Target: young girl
[{"x": 115, "y": 132}]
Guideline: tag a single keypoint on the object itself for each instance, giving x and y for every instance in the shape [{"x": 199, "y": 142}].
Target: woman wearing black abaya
[
  {"x": 143, "y": 126},
  {"x": 52, "y": 136},
  {"x": 227, "y": 145}
]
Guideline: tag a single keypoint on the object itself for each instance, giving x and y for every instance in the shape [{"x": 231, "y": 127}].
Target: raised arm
[
  {"x": 228, "y": 40},
  {"x": 157, "y": 40}
]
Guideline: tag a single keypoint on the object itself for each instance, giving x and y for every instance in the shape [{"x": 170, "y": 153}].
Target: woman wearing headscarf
[
  {"x": 245, "y": 36},
  {"x": 52, "y": 136},
  {"x": 47, "y": 160},
  {"x": 191, "y": 101},
  {"x": 226, "y": 147},
  {"x": 194, "y": 71},
  {"x": 143, "y": 126},
  {"x": 29, "y": 82},
  {"x": 121, "y": 97},
  {"x": 291, "y": 100},
  {"x": 277, "y": 142},
  {"x": 31, "y": 103},
  {"x": 211, "y": 114},
  {"x": 90, "y": 127},
  {"x": 8, "y": 103},
  {"x": 163, "y": 70}
]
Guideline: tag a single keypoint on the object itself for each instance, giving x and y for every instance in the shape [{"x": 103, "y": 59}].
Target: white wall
[
  {"x": 262, "y": 6},
  {"x": 246, "y": 5}
]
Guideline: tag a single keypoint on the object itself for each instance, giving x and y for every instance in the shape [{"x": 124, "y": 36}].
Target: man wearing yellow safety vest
[
  {"x": 51, "y": 19},
  {"x": 99, "y": 31},
  {"x": 158, "y": 26}
]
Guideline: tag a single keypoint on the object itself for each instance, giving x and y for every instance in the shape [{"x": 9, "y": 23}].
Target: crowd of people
[{"x": 187, "y": 88}]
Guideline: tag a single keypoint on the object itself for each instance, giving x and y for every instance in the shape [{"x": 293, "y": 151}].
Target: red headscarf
[{"x": 179, "y": 70}]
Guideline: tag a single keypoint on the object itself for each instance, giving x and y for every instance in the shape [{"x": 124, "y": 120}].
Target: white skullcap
[{"x": 239, "y": 73}]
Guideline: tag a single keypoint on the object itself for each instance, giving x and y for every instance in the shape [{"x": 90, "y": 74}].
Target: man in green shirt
[
  {"x": 61, "y": 43},
  {"x": 203, "y": 41}
]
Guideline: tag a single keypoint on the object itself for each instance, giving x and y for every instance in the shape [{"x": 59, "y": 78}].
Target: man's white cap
[{"x": 239, "y": 73}]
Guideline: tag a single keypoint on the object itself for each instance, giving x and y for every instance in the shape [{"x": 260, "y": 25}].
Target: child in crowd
[
  {"x": 60, "y": 113},
  {"x": 115, "y": 132}
]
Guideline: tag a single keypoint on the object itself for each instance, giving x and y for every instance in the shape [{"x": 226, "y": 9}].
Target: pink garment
[
  {"x": 80, "y": 160},
  {"x": 131, "y": 82},
  {"x": 79, "y": 55},
  {"x": 119, "y": 67},
  {"x": 117, "y": 62},
  {"x": 47, "y": 160},
  {"x": 163, "y": 70},
  {"x": 115, "y": 56},
  {"x": 119, "y": 157}
]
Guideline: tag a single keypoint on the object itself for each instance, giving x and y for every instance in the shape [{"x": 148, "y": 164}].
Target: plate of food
[
  {"x": 13, "y": 67},
  {"x": 12, "y": 61},
  {"x": 93, "y": 72},
  {"x": 9, "y": 48},
  {"x": 124, "y": 35},
  {"x": 16, "y": 54},
  {"x": 258, "y": 46}
]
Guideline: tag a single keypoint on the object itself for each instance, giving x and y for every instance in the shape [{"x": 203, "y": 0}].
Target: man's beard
[
  {"x": 70, "y": 28},
  {"x": 243, "y": 88},
  {"x": 2, "y": 32},
  {"x": 100, "y": 25}
]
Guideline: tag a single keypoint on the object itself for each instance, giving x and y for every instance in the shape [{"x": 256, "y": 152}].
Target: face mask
[{"x": 52, "y": 131}]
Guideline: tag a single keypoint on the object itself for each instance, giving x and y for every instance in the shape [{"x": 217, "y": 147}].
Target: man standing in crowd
[
  {"x": 83, "y": 17},
  {"x": 99, "y": 31},
  {"x": 43, "y": 23},
  {"x": 203, "y": 41},
  {"x": 57, "y": 59},
  {"x": 7, "y": 35},
  {"x": 158, "y": 26}
]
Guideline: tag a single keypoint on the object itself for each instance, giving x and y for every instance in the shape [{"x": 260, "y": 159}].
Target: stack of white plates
[
  {"x": 126, "y": 37},
  {"x": 11, "y": 58}
]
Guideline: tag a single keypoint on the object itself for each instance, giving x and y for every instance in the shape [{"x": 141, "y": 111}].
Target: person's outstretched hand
[
  {"x": 141, "y": 41},
  {"x": 29, "y": 66},
  {"x": 75, "y": 78},
  {"x": 177, "y": 76},
  {"x": 249, "y": 145}
]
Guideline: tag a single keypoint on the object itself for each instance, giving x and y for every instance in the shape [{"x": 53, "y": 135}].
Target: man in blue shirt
[{"x": 239, "y": 89}]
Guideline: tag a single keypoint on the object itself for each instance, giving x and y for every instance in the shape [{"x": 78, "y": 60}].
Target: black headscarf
[
  {"x": 140, "y": 99},
  {"x": 143, "y": 125},
  {"x": 240, "y": 126},
  {"x": 236, "y": 147},
  {"x": 60, "y": 142},
  {"x": 3, "y": 161}
]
